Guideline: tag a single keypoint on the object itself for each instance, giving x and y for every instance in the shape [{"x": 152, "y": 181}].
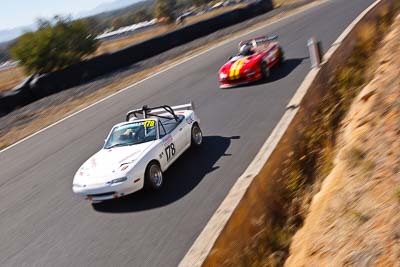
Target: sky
[{"x": 16, "y": 13}]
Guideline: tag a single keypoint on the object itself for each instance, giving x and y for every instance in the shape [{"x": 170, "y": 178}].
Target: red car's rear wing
[{"x": 258, "y": 40}]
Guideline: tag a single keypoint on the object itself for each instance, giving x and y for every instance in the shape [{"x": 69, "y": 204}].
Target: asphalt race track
[{"x": 42, "y": 223}]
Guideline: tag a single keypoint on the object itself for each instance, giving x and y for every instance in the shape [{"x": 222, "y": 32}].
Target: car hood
[
  {"x": 239, "y": 64},
  {"x": 105, "y": 165}
]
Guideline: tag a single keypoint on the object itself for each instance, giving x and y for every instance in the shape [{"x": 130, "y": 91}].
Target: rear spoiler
[
  {"x": 146, "y": 111},
  {"x": 260, "y": 39}
]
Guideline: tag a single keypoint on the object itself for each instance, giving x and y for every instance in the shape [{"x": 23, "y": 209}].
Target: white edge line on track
[
  {"x": 309, "y": 6},
  {"x": 202, "y": 246}
]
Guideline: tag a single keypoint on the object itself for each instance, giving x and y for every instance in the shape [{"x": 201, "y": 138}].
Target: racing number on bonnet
[{"x": 170, "y": 151}]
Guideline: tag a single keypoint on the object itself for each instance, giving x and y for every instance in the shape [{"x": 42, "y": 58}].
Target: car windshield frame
[{"x": 109, "y": 143}]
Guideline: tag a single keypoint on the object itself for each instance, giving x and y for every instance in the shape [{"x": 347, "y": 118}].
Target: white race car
[{"x": 138, "y": 151}]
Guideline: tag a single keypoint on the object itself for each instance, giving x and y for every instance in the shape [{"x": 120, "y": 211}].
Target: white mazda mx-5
[{"x": 138, "y": 151}]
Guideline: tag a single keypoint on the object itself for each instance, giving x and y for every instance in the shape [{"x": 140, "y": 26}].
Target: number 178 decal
[{"x": 170, "y": 151}]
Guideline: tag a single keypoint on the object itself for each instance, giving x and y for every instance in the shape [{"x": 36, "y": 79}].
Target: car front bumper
[
  {"x": 226, "y": 83},
  {"x": 106, "y": 192}
]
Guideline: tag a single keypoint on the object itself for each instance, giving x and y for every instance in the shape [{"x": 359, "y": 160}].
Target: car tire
[
  {"x": 154, "y": 177},
  {"x": 196, "y": 136},
  {"x": 281, "y": 59},
  {"x": 264, "y": 69}
]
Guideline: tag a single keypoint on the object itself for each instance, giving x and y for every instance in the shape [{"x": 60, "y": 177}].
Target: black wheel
[
  {"x": 281, "y": 56},
  {"x": 197, "y": 136},
  {"x": 264, "y": 69},
  {"x": 153, "y": 176}
]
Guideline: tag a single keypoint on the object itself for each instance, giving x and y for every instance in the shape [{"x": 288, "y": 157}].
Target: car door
[
  {"x": 172, "y": 136},
  {"x": 166, "y": 140},
  {"x": 272, "y": 55},
  {"x": 178, "y": 135}
]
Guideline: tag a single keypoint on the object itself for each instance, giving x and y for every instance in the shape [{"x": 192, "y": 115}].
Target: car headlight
[
  {"x": 118, "y": 180},
  {"x": 126, "y": 165},
  {"x": 223, "y": 75},
  {"x": 123, "y": 167}
]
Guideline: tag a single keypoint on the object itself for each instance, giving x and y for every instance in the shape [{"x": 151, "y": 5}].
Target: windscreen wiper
[{"x": 116, "y": 145}]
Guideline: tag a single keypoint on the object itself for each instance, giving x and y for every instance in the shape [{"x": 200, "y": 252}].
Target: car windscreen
[{"x": 132, "y": 134}]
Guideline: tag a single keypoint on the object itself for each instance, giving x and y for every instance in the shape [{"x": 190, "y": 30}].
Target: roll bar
[{"x": 146, "y": 111}]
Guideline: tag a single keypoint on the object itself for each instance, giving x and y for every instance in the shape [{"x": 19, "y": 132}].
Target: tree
[
  {"x": 118, "y": 22},
  {"x": 198, "y": 3},
  {"x": 95, "y": 24},
  {"x": 165, "y": 8},
  {"x": 57, "y": 44},
  {"x": 142, "y": 15}
]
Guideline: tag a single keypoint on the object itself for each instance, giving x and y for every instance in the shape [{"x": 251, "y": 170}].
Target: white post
[{"x": 313, "y": 50}]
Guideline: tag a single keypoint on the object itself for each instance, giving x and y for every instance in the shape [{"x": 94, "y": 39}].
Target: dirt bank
[{"x": 355, "y": 219}]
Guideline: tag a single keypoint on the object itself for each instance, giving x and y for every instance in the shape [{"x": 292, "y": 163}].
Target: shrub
[{"x": 57, "y": 44}]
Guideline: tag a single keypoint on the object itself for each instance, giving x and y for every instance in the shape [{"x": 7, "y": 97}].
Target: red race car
[{"x": 255, "y": 59}]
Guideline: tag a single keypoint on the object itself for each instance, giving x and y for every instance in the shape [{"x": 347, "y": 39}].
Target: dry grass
[
  {"x": 278, "y": 3},
  {"x": 213, "y": 13},
  {"x": 353, "y": 221},
  {"x": 113, "y": 45},
  {"x": 47, "y": 116},
  {"x": 10, "y": 78},
  {"x": 314, "y": 152},
  {"x": 397, "y": 191},
  {"x": 355, "y": 157}
]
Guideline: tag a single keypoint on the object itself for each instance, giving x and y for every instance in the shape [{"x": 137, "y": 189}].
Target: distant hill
[
  {"x": 106, "y": 13},
  {"x": 121, "y": 17},
  {"x": 10, "y": 34},
  {"x": 114, "y": 14}
]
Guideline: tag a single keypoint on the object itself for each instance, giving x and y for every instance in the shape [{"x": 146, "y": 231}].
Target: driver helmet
[
  {"x": 245, "y": 50},
  {"x": 128, "y": 136}
]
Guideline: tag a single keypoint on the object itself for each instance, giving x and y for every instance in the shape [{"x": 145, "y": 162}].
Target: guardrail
[{"x": 232, "y": 224}]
